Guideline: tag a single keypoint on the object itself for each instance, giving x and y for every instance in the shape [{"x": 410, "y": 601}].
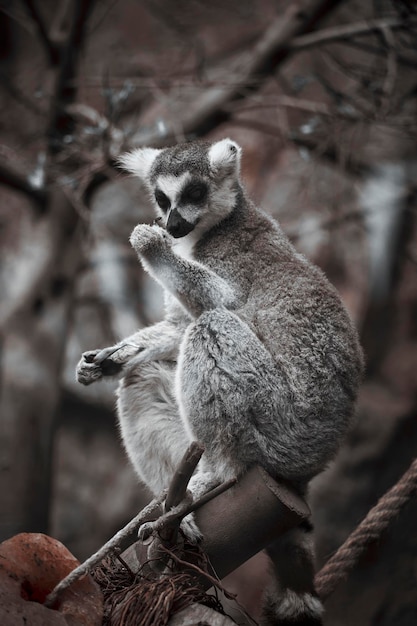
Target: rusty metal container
[{"x": 239, "y": 522}]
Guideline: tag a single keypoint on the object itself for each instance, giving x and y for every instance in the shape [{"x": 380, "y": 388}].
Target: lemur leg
[
  {"x": 229, "y": 394},
  {"x": 291, "y": 599},
  {"x": 153, "y": 433}
]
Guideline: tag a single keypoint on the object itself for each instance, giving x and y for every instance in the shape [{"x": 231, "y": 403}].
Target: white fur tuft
[
  {"x": 225, "y": 155},
  {"x": 172, "y": 185},
  {"x": 294, "y": 605},
  {"x": 139, "y": 161}
]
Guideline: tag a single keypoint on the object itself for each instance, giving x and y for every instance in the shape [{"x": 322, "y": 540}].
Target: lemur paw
[
  {"x": 95, "y": 364},
  {"x": 146, "y": 530},
  {"x": 88, "y": 371},
  {"x": 145, "y": 238},
  {"x": 190, "y": 529}
]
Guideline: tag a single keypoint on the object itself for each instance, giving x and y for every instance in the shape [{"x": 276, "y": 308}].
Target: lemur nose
[{"x": 177, "y": 226}]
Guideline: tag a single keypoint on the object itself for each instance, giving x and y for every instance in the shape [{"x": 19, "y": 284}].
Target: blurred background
[{"x": 323, "y": 103}]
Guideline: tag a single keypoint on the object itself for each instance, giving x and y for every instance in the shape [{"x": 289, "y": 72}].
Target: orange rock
[{"x": 31, "y": 564}]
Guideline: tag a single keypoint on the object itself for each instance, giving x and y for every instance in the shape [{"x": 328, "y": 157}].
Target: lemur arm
[
  {"x": 157, "y": 342},
  {"x": 196, "y": 287}
]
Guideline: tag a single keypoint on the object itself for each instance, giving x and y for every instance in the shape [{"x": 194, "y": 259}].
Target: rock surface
[{"x": 31, "y": 564}]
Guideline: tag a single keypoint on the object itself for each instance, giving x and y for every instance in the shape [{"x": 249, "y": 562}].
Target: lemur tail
[{"x": 292, "y": 600}]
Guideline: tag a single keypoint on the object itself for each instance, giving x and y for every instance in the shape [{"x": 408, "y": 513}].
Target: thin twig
[
  {"x": 210, "y": 495},
  {"x": 185, "y": 508},
  {"x": 347, "y": 31},
  {"x": 391, "y": 71},
  {"x": 262, "y": 127},
  {"x": 187, "y": 564},
  {"x": 284, "y": 101},
  {"x": 325, "y": 152}
]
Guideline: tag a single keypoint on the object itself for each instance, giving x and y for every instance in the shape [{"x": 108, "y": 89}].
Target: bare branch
[
  {"x": 377, "y": 51},
  {"x": 327, "y": 152},
  {"x": 319, "y": 108},
  {"x": 391, "y": 72},
  {"x": 262, "y": 127},
  {"x": 347, "y": 31},
  {"x": 178, "y": 487},
  {"x": 150, "y": 510},
  {"x": 18, "y": 94},
  {"x": 53, "y": 251},
  {"x": 357, "y": 101},
  {"x": 20, "y": 183},
  {"x": 177, "y": 491},
  {"x": 65, "y": 89},
  {"x": 113, "y": 543},
  {"x": 270, "y": 51},
  {"x": 51, "y": 50}
]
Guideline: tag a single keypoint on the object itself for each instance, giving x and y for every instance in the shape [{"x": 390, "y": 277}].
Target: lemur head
[{"x": 193, "y": 185}]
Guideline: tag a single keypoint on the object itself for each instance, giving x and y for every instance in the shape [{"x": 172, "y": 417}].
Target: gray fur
[{"x": 257, "y": 356}]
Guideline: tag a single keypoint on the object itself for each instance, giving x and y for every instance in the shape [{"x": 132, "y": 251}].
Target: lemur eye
[
  {"x": 162, "y": 200},
  {"x": 195, "y": 192}
]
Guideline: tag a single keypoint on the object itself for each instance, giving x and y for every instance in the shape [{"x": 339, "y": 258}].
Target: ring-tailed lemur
[{"x": 256, "y": 358}]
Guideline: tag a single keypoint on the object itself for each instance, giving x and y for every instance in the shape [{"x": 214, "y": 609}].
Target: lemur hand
[{"x": 147, "y": 239}]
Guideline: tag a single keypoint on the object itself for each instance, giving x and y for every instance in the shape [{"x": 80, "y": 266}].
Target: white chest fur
[{"x": 184, "y": 246}]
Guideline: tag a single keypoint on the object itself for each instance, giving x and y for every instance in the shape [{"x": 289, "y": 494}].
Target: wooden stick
[
  {"x": 113, "y": 543},
  {"x": 178, "y": 487}
]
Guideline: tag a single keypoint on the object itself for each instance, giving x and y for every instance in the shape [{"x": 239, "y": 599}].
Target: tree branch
[
  {"x": 151, "y": 509},
  {"x": 179, "y": 483},
  {"x": 327, "y": 152},
  {"x": 18, "y": 94},
  {"x": 51, "y": 50},
  {"x": 165, "y": 520},
  {"x": 11, "y": 179},
  {"x": 347, "y": 31},
  {"x": 267, "y": 55},
  {"x": 61, "y": 123},
  {"x": 50, "y": 256},
  {"x": 391, "y": 71}
]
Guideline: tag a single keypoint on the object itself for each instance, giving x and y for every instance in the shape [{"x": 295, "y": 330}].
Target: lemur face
[
  {"x": 193, "y": 186},
  {"x": 182, "y": 200}
]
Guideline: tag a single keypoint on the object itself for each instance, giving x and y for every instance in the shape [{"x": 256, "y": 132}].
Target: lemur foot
[
  {"x": 146, "y": 530},
  {"x": 190, "y": 529},
  {"x": 95, "y": 364},
  {"x": 88, "y": 370}
]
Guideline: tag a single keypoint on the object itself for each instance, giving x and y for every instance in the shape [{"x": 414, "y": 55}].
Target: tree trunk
[{"x": 32, "y": 354}]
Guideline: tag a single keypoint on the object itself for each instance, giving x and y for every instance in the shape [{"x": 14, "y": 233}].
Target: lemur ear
[
  {"x": 139, "y": 161},
  {"x": 224, "y": 157}
]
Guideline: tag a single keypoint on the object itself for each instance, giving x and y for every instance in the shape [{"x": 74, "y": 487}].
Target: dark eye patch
[
  {"x": 162, "y": 200},
  {"x": 194, "y": 193}
]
